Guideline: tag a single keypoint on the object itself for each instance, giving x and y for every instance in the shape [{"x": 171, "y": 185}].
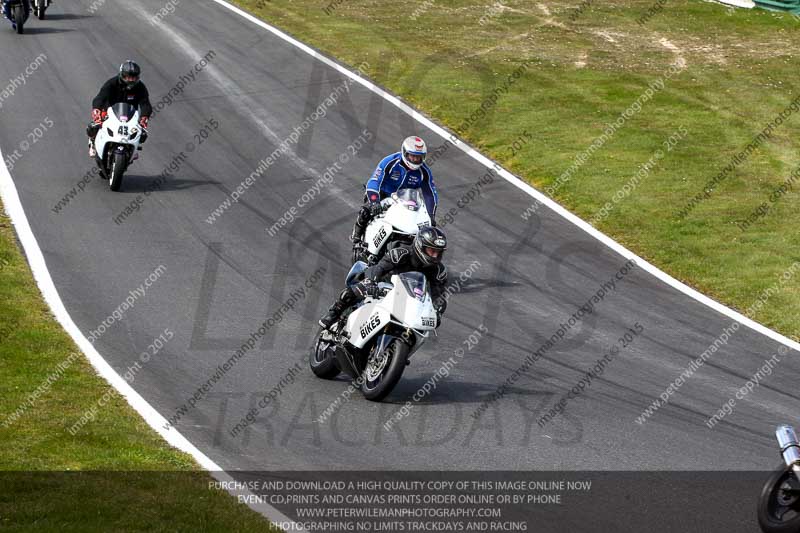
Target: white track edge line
[
  {"x": 13, "y": 206},
  {"x": 515, "y": 180}
]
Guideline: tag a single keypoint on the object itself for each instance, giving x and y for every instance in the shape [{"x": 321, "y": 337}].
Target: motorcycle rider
[
  {"x": 423, "y": 255},
  {"x": 7, "y": 11},
  {"x": 405, "y": 169},
  {"x": 126, "y": 87}
]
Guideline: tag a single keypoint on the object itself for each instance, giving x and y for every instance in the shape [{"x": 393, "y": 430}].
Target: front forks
[{"x": 790, "y": 448}]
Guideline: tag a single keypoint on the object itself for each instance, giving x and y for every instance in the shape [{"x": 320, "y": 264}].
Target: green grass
[
  {"x": 129, "y": 479},
  {"x": 740, "y": 71}
]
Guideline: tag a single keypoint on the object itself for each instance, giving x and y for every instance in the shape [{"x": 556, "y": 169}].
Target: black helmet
[
  {"x": 430, "y": 244},
  {"x": 129, "y": 73}
]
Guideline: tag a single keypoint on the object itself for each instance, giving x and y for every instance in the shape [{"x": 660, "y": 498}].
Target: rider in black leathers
[
  {"x": 126, "y": 87},
  {"x": 423, "y": 255}
]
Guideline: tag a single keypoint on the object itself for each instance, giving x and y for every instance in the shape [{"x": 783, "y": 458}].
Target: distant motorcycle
[
  {"x": 39, "y": 7},
  {"x": 403, "y": 213},
  {"x": 17, "y": 11},
  {"x": 779, "y": 504},
  {"x": 117, "y": 141},
  {"x": 373, "y": 341}
]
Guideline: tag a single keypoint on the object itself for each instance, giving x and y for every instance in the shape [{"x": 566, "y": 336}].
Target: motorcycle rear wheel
[
  {"x": 779, "y": 504},
  {"x": 19, "y": 18}
]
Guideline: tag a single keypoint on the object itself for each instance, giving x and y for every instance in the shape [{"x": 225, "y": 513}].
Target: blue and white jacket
[{"x": 391, "y": 175}]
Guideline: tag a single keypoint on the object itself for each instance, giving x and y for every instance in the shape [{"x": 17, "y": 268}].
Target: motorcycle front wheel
[
  {"x": 779, "y": 504},
  {"x": 118, "y": 164},
  {"x": 384, "y": 371}
]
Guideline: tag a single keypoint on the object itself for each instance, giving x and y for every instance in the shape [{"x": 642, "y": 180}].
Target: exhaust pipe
[{"x": 790, "y": 448}]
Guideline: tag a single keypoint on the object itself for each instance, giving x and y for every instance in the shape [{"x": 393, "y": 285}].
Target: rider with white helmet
[{"x": 405, "y": 169}]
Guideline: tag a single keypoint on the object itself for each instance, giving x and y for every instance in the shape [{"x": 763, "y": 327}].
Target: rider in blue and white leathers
[{"x": 405, "y": 169}]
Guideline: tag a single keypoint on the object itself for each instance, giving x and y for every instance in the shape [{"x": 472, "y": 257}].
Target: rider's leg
[
  {"x": 345, "y": 299},
  {"x": 91, "y": 131}
]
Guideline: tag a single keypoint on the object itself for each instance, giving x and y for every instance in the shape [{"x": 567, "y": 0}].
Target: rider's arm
[
  {"x": 429, "y": 191},
  {"x": 438, "y": 283},
  {"x": 103, "y": 98},
  {"x": 394, "y": 258},
  {"x": 376, "y": 181},
  {"x": 144, "y": 101}
]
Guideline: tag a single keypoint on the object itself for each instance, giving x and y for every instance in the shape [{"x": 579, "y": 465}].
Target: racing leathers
[
  {"x": 397, "y": 260},
  {"x": 390, "y": 176}
]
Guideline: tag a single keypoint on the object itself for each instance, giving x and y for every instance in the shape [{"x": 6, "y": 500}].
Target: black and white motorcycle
[
  {"x": 118, "y": 139},
  {"x": 373, "y": 341},
  {"x": 39, "y": 7},
  {"x": 402, "y": 214},
  {"x": 779, "y": 504}
]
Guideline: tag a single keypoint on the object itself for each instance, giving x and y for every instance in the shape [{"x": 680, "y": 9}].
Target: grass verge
[{"x": 734, "y": 71}]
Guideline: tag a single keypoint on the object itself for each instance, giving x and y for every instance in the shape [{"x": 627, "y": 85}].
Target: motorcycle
[
  {"x": 39, "y": 7},
  {"x": 373, "y": 341},
  {"x": 779, "y": 504},
  {"x": 402, "y": 214},
  {"x": 117, "y": 141},
  {"x": 17, "y": 11}
]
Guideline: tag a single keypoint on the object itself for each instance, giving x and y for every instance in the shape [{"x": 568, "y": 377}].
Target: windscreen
[
  {"x": 411, "y": 198},
  {"x": 124, "y": 112},
  {"x": 416, "y": 284}
]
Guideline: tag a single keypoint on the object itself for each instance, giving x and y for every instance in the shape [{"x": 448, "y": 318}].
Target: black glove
[
  {"x": 375, "y": 208},
  {"x": 365, "y": 288}
]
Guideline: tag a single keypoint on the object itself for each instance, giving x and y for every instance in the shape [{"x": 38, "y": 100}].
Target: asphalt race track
[{"x": 216, "y": 283}]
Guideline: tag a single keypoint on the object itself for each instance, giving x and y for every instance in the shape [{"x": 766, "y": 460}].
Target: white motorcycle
[
  {"x": 117, "y": 141},
  {"x": 403, "y": 213},
  {"x": 39, "y": 7},
  {"x": 373, "y": 340}
]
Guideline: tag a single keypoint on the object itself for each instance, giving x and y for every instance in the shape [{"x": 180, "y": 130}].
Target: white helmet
[{"x": 414, "y": 151}]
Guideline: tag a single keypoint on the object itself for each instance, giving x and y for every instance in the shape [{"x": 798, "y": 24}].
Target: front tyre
[
  {"x": 779, "y": 504},
  {"x": 384, "y": 370},
  {"x": 118, "y": 163},
  {"x": 19, "y": 18},
  {"x": 321, "y": 359}
]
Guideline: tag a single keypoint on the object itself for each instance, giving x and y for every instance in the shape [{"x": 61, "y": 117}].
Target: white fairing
[
  {"x": 123, "y": 130},
  {"x": 397, "y": 306},
  {"x": 405, "y": 213}
]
